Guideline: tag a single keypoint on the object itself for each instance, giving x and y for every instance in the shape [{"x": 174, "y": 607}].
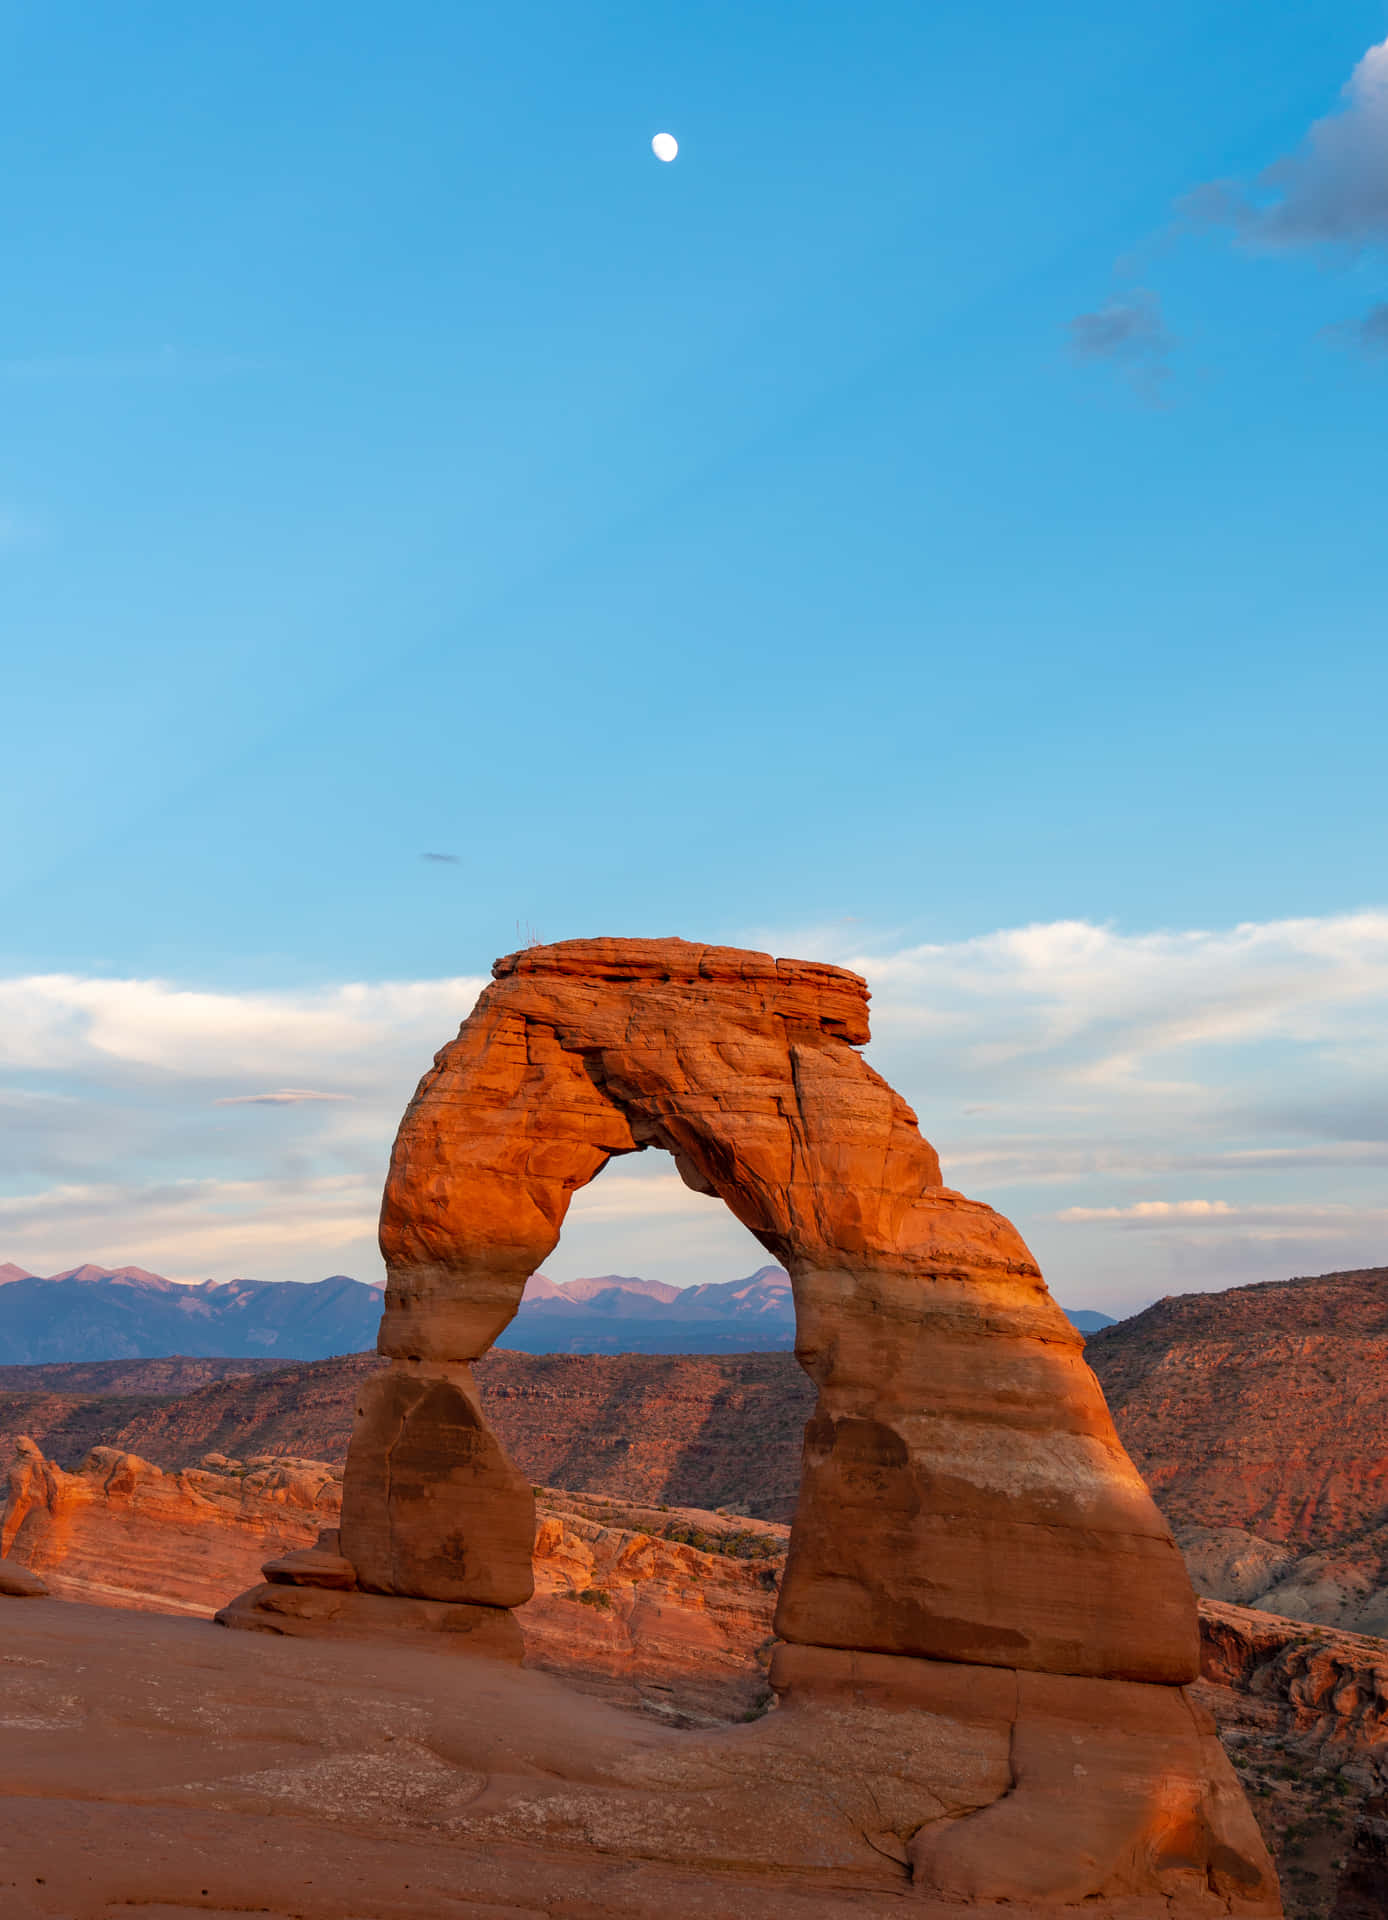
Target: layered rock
[
  {"x": 668, "y": 1610},
  {"x": 121, "y": 1532}
]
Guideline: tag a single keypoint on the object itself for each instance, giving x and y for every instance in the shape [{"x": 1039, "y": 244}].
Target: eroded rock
[
  {"x": 964, "y": 1495},
  {"x": 967, "y": 1514}
]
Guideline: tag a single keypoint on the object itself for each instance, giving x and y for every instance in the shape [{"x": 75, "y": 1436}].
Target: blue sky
[{"x": 947, "y": 501}]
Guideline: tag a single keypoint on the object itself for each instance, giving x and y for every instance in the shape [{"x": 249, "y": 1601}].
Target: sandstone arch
[
  {"x": 985, "y": 1627},
  {"x": 965, "y": 1496}
]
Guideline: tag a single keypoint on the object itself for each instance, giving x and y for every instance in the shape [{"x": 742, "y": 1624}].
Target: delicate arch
[{"x": 964, "y": 1495}]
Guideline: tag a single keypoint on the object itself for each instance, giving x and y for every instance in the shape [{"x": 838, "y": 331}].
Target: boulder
[{"x": 18, "y": 1583}]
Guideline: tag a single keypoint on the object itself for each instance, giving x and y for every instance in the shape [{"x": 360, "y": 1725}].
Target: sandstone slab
[{"x": 155, "y": 1763}]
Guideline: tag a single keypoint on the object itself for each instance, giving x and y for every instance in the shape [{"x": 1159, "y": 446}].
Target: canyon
[{"x": 1256, "y": 1415}]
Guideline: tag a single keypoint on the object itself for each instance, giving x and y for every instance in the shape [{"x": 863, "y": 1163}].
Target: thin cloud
[
  {"x": 282, "y": 1097},
  {"x": 1368, "y": 335},
  {"x": 1154, "y": 1212},
  {"x": 1129, "y": 334},
  {"x": 442, "y": 859},
  {"x": 1329, "y": 196},
  {"x": 1306, "y": 1221}
]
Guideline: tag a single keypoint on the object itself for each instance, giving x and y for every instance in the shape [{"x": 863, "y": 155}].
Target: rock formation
[
  {"x": 1303, "y": 1712},
  {"x": 972, "y": 1548},
  {"x": 122, "y": 1533},
  {"x": 20, "y": 1582},
  {"x": 1258, "y": 1418},
  {"x": 958, "y": 1437},
  {"x": 668, "y": 1610}
]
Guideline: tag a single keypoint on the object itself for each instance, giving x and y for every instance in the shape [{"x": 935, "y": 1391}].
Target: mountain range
[
  {"x": 125, "y": 1313},
  {"x": 92, "y": 1313}
]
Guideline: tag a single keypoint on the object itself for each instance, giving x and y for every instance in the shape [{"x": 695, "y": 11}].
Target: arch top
[{"x": 833, "y": 998}]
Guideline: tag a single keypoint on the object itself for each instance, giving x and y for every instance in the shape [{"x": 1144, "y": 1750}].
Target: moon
[{"x": 665, "y": 146}]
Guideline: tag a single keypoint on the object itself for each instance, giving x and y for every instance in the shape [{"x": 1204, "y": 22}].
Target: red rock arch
[{"x": 965, "y": 1497}]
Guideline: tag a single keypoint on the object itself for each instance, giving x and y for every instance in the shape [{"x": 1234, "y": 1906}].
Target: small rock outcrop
[
  {"x": 18, "y": 1582},
  {"x": 120, "y": 1532},
  {"x": 971, "y": 1549},
  {"x": 1303, "y": 1713}
]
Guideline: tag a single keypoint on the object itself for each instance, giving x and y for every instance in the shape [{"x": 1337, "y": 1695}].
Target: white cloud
[
  {"x": 146, "y": 1028},
  {"x": 1154, "y": 1211},
  {"x": 1068, "y": 1066},
  {"x": 1074, "y": 1075},
  {"x": 1333, "y": 191},
  {"x": 200, "y": 1228},
  {"x": 1100, "y": 1008}
]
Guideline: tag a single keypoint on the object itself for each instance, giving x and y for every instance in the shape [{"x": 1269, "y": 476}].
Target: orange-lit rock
[
  {"x": 121, "y": 1532},
  {"x": 964, "y": 1494},
  {"x": 19, "y": 1583}
]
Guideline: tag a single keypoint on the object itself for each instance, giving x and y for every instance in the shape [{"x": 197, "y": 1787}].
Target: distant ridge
[
  {"x": 93, "y": 1313},
  {"x": 125, "y": 1313}
]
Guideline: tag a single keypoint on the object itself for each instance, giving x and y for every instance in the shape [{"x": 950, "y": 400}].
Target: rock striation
[{"x": 972, "y": 1550}]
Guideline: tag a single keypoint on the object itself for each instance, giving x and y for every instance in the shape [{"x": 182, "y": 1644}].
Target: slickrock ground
[
  {"x": 169, "y": 1768},
  {"x": 161, "y": 1766},
  {"x": 669, "y": 1612},
  {"x": 1259, "y": 1417}
]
